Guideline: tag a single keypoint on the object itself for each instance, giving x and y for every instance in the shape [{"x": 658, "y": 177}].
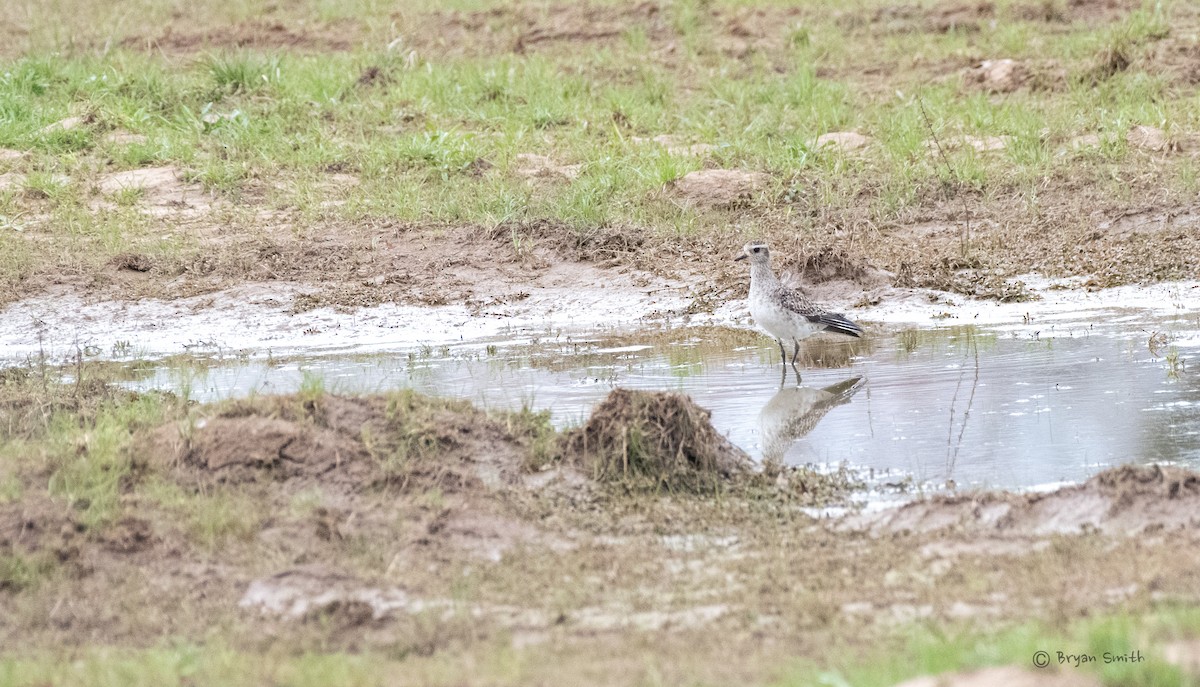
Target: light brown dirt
[
  {"x": 254, "y": 35},
  {"x": 1150, "y": 138},
  {"x": 1124, "y": 501},
  {"x": 162, "y": 190},
  {"x": 718, "y": 188}
]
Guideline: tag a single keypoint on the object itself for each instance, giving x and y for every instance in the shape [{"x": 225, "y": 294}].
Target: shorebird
[{"x": 784, "y": 312}]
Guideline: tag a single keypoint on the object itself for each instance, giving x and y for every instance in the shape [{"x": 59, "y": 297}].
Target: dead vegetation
[{"x": 660, "y": 438}]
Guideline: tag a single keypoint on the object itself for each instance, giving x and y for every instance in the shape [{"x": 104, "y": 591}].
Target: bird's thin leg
[
  {"x": 783, "y": 353},
  {"x": 795, "y": 354}
]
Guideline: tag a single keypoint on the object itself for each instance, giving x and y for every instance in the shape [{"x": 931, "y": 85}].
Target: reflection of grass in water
[
  {"x": 833, "y": 353},
  {"x": 1174, "y": 363},
  {"x": 909, "y": 341}
]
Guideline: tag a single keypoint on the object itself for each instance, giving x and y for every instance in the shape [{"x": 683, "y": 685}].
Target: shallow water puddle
[{"x": 999, "y": 407}]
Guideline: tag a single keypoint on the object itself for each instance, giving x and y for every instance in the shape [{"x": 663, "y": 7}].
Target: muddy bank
[
  {"x": 572, "y": 299},
  {"x": 1125, "y": 501},
  {"x": 403, "y": 521}
]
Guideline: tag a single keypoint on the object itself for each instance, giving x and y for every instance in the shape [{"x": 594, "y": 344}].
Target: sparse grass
[
  {"x": 416, "y": 125},
  {"x": 924, "y": 652},
  {"x": 211, "y": 519},
  {"x": 933, "y": 651},
  {"x": 19, "y": 572}
]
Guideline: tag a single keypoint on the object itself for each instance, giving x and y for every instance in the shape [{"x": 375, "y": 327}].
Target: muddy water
[{"x": 1005, "y": 407}]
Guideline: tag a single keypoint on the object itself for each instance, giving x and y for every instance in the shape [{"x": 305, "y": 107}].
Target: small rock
[
  {"x": 62, "y": 125},
  {"x": 7, "y": 154},
  {"x": 1149, "y": 138},
  {"x": 843, "y": 140},
  {"x": 998, "y": 76},
  {"x": 718, "y": 188}
]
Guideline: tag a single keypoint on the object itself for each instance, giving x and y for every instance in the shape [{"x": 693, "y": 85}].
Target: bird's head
[{"x": 757, "y": 253}]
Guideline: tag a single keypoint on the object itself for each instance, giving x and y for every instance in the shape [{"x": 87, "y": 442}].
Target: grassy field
[
  {"x": 265, "y": 128},
  {"x": 174, "y": 149}
]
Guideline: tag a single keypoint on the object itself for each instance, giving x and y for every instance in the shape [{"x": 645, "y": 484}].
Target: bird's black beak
[{"x": 743, "y": 256}]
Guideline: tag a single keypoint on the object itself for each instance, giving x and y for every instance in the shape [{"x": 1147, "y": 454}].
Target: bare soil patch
[
  {"x": 160, "y": 190},
  {"x": 718, "y": 188},
  {"x": 255, "y": 35},
  {"x": 1125, "y": 501},
  {"x": 843, "y": 140},
  {"x": 522, "y": 28}
]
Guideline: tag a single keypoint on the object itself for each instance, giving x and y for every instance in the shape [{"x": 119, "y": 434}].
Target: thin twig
[{"x": 964, "y": 239}]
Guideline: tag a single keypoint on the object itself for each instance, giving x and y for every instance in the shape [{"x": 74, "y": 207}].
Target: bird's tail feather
[{"x": 839, "y": 324}]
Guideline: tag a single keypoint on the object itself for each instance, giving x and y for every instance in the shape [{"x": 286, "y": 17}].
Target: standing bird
[{"x": 784, "y": 312}]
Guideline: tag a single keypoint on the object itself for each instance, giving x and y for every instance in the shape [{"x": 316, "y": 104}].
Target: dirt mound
[
  {"x": 1128, "y": 500},
  {"x": 655, "y": 437},
  {"x": 718, "y": 188},
  {"x": 239, "y": 449},
  {"x": 402, "y": 440}
]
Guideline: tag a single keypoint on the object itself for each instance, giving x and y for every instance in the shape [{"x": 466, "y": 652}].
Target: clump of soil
[
  {"x": 1150, "y": 138},
  {"x": 655, "y": 438},
  {"x": 134, "y": 262},
  {"x": 1127, "y": 500},
  {"x": 353, "y": 443}
]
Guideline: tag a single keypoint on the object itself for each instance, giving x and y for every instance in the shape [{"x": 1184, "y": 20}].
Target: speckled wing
[{"x": 796, "y": 302}]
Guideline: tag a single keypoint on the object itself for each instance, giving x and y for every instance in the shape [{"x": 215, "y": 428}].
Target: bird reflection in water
[{"x": 794, "y": 411}]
